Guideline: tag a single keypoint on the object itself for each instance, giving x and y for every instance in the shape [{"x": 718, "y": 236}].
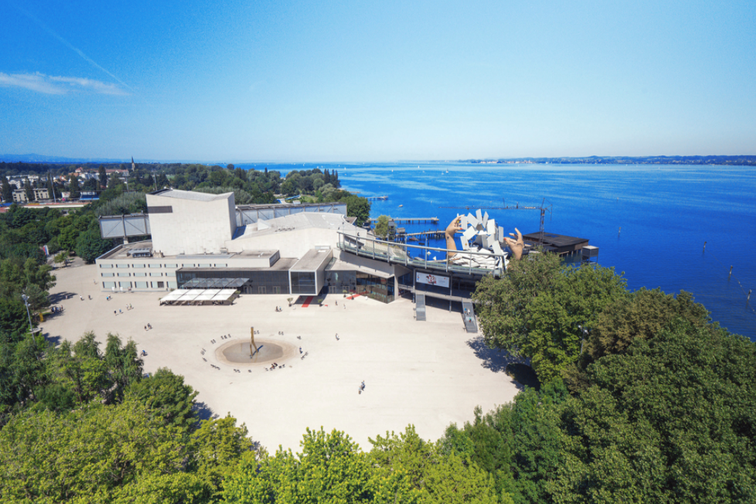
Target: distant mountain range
[
  {"x": 38, "y": 158},
  {"x": 611, "y": 160}
]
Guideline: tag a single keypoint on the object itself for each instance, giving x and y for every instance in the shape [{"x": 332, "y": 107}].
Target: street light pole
[{"x": 26, "y": 303}]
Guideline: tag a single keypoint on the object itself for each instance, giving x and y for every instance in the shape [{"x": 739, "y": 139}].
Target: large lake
[{"x": 665, "y": 213}]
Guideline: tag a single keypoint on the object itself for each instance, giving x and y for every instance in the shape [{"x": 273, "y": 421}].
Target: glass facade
[
  {"x": 381, "y": 289},
  {"x": 341, "y": 282},
  {"x": 258, "y": 281},
  {"x": 303, "y": 282}
]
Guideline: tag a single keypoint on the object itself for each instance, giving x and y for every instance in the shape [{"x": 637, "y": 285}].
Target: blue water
[{"x": 666, "y": 214}]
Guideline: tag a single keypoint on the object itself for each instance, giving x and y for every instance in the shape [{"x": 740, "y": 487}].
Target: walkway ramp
[
  {"x": 420, "y": 307},
  {"x": 468, "y": 316}
]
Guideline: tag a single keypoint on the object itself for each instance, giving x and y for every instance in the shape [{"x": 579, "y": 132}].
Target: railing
[{"x": 398, "y": 253}]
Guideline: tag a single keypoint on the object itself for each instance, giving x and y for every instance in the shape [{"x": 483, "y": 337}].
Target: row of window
[
  {"x": 139, "y": 285},
  {"x": 156, "y": 265},
  {"x": 139, "y": 274}
]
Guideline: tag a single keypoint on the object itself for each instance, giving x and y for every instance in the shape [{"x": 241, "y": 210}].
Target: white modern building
[{"x": 204, "y": 241}]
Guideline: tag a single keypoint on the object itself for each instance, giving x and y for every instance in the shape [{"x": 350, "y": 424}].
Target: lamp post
[{"x": 26, "y": 303}]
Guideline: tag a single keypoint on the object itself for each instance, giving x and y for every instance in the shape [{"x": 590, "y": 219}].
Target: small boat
[{"x": 400, "y": 206}]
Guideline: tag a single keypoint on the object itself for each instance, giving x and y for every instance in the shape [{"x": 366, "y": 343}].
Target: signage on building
[{"x": 430, "y": 279}]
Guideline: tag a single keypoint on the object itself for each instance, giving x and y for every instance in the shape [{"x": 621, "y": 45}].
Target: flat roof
[
  {"x": 555, "y": 240},
  {"x": 126, "y": 250},
  {"x": 190, "y": 195},
  {"x": 283, "y": 264},
  {"x": 313, "y": 260}
]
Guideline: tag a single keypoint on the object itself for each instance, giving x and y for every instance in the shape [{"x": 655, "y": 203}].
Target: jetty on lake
[{"x": 409, "y": 220}]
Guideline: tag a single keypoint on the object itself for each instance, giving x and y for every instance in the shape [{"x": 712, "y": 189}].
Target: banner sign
[{"x": 430, "y": 279}]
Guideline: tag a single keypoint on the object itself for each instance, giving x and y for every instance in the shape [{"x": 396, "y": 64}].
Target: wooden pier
[
  {"x": 435, "y": 234},
  {"x": 415, "y": 220},
  {"x": 376, "y": 198},
  {"x": 410, "y": 220}
]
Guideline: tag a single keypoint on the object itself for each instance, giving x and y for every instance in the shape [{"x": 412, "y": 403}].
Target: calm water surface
[{"x": 666, "y": 213}]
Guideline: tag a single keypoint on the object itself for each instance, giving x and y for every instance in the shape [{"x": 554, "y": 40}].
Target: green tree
[
  {"x": 382, "y": 227},
  {"x": 408, "y": 469},
  {"x": 559, "y": 318},
  {"x": 670, "y": 420},
  {"x": 89, "y": 246},
  {"x": 62, "y": 257},
  {"x": 7, "y": 190},
  {"x": 641, "y": 314},
  {"x": 102, "y": 177},
  {"x": 501, "y": 303},
  {"x": 357, "y": 207},
  {"x": 86, "y": 455},
  {"x": 28, "y": 190},
  {"x": 73, "y": 187},
  {"x": 331, "y": 468},
  {"x": 166, "y": 393}
]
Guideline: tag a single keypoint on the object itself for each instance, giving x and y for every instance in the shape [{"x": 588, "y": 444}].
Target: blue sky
[{"x": 367, "y": 81}]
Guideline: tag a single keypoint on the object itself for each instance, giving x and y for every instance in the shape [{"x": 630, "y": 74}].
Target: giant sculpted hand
[
  {"x": 515, "y": 245},
  {"x": 455, "y": 226}
]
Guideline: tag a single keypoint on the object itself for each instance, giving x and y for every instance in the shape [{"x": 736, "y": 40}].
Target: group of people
[
  {"x": 147, "y": 327},
  {"x": 56, "y": 309},
  {"x": 275, "y": 366},
  {"x": 279, "y": 309}
]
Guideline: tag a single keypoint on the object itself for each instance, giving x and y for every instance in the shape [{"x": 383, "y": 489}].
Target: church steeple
[{"x": 133, "y": 166}]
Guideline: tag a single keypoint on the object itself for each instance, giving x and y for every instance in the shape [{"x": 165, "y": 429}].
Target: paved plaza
[{"x": 429, "y": 374}]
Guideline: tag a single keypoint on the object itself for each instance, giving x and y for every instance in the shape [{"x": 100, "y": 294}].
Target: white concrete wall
[{"x": 195, "y": 226}]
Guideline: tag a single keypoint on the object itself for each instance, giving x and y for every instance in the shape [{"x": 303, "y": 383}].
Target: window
[
  {"x": 155, "y": 265},
  {"x": 155, "y": 273},
  {"x": 171, "y": 265},
  {"x": 108, "y": 285},
  {"x": 187, "y": 265},
  {"x": 172, "y": 285},
  {"x": 205, "y": 265},
  {"x": 161, "y": 285},
  {"x": 124, "y": 285},
  {"x": 122, "y": 265},
  {"x": 123, "y": 274},
  {"x": 140, "y": 273},
  {"x": 106, "y": 266},
  {"x": 137, "y": 265},
  {"x": 221, "y": 265},
  {"x": 303, "y": 282},
  {"x": 140, "y": 285},
  {"x": 107, "y": 274},
  {"x": 171, "y": 274}
]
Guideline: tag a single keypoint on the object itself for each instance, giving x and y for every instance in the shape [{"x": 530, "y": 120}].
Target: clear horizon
[{"x": 313, "y": 82}]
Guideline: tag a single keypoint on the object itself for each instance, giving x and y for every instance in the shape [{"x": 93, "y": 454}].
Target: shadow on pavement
[{"x": 499, "y": 360}]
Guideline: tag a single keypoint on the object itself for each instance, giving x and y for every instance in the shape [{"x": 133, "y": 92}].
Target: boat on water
[{"x": 400, "y": 206}]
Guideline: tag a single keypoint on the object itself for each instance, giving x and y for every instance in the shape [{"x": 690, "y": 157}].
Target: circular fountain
[{"x": 237, "y": 352}]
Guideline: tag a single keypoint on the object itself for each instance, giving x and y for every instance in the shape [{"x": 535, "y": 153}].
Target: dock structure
[
  {"x": 415, "y": 220},
  {"x": 434, "y": 235},
  {"x": 376, "y": 198},
  {"x": 409, "y": 220}
]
